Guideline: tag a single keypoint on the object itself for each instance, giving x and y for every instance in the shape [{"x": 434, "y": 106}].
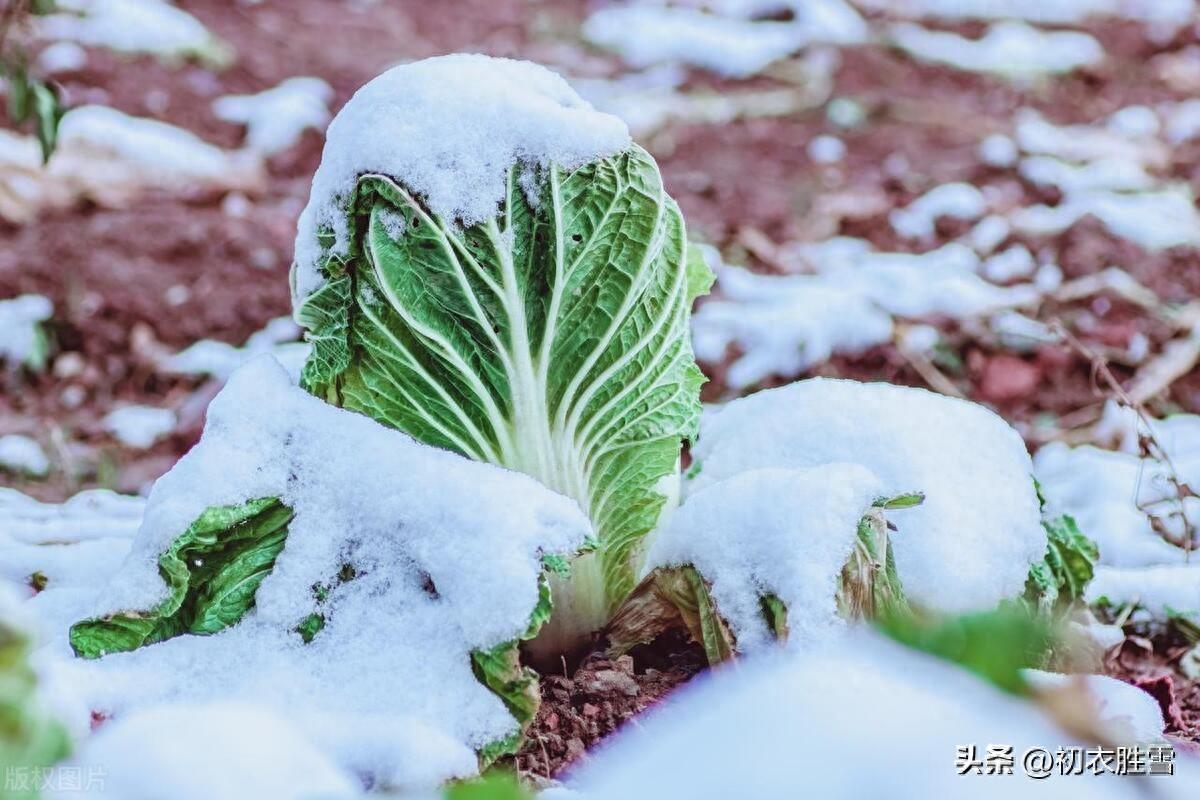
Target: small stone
[{"x": 589, "y": 710}]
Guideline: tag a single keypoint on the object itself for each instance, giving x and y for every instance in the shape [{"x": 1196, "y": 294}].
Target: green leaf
[
  {"x": 498, "y": 785},
  {"x": 995, "y": 645},
  {"x": 551, "y": 339},
  {"x": 212, "y": 571},
  {"x": 30, "y": 98},
  {"x": 870, "y": 586},
  {"x": 30, "y": 740},
  {"x": 517, "y": 686},
  {"x": 1058, "y": 581}
]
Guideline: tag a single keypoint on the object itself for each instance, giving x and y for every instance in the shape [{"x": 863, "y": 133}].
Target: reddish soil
[
  {"x": 1153, "y": 665},
  {"x": 602, "y": 694}
]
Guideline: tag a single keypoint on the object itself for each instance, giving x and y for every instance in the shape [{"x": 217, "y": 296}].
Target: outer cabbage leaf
[
  {"x": 551, "y": 339},
  {"x": 680, "y": 598},
  {"x": 212, "y": 571},
  {"x": 1057, "y": 582}
]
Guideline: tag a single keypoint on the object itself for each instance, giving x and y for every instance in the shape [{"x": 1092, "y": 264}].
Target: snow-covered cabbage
[
  {"x": 487, "y": 264},
  {"x": 369, "y": 588}
]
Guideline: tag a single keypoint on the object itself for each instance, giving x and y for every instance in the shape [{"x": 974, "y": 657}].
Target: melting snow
[
  {"x": 1011, "y": 49},
  {"x": 219, "y": 359},
  {"x": 956, "y": 200},
  {"x": 22, "y": 454},
  {"x": 730, "y": 42},
  {"x": 782, "y": 325},
  {"x": 140, "y": 426},
  {"x": 276, "y": 118},
  {"x": 20, "y": 327},
  {"x": 132, "y": 26}
]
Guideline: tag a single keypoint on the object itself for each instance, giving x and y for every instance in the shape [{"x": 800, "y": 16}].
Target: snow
[
  {"x": 785, "y": 726},
  {"x": 786, "y": 532},
  {"x": 783, "y": 325},
  {"x": 19, "y": 326},
  {"x": 1112, "y": 492},
  {"x": 22, "y": 454},
  {"x": 988, "y": 234},
  {"x": 1183, "y": 122},
  {"x": 220, "y": 359},
  {"x": 729, "y": 42},
  {"x": 77, "y": 545},
  {"x": 1011, "y": 49},
  {"x": 1103, "y": 490},
  {"x": 156, "y": 146},
  {"x": 956, "y": 200},
  {"x": 970, "y": 544},
  {"x": 1008, "y": 265},
  {"x": 94, "y": 514},
  {"x": 131, "y": 26},
  {"x": 140, "y": 426},
  {"x": 1108, "y": 174},
  {"x": 1161, "y": 589},
  {"x": 1126, "y": 713},
  {"x": 1161, "y": 15},
  {"x": 62, "y": 57},
  {"x": 386, "y": 688},
  {"x": 107, "y": 157},
  {"x": 1083, "y": 143},
  {"x": 1135, "y": 121},
  {"x": 152, "y": 754},
  {"x": 998, "y": 150},
  {"x": 1153, "y": 220},
  {"x": 449, "y": 129},
  {"x": 276, "y": 118},
  {"x": 826, "y": 149}
]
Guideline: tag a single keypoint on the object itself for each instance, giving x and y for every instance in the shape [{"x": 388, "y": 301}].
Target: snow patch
[
  {"x": 220, "y": 359},
  {"x": 21, "y": 338},
  {"x": 132, "y": 26},
  {"x": 140, "y": 426},
  {"x": 729, "y": 42},
  {"x": 788, "y": 720},
  {"x": 783, "y": 325},
  {"x": 22, "y": 454},
  {"x": 970, "y": 544},
  {"x": 955, "y": 200},
  {"x": 1011, "y": 49},
  {"x": 276, "y": 118}
]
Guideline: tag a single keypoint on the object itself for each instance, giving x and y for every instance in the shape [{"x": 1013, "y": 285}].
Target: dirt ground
[{"x": 113, "y": 273}]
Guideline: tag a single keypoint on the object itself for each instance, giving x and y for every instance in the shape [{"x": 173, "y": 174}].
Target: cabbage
[{"x": 551, "y": 339}]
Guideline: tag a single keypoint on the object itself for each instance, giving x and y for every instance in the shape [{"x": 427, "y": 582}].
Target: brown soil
[
  {"x": 1152, "y": 664},
  {"x": 580, "y": 709}
]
